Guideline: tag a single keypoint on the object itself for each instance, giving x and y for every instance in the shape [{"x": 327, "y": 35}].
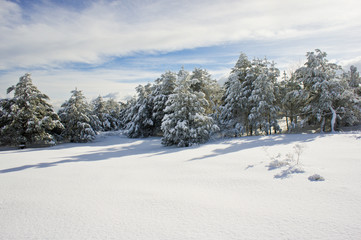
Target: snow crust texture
[{"x": 120, "y": 188}]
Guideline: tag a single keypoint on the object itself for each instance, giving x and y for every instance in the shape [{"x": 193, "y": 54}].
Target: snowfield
[{"x": 244, "y": 188}]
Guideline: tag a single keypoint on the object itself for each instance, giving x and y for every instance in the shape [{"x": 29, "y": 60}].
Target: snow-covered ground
[{"x": 245, "y": 188}]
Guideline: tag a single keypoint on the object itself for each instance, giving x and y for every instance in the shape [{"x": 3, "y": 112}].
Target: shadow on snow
[
  {"x": 246, "y": 143},
  {"x": 133, "y": 147},
  {"x": 153, "y": 146}
]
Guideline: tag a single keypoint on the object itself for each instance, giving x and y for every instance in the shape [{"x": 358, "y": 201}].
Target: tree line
[{"x": 187, "y": 108}]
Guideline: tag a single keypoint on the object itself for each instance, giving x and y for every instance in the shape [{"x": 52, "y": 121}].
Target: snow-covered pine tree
[
  {"x": 115, "y": 110},
  {"x": 354, "y": 80},
  {"x": 232, "y": 116},
  {"x": 127, "y": 112},
  {"x": 28, "y": 118},
  {"x": 6, "y": 117},
  {"x": 185, "y": 122},
  {"x": 106, "y": 113},
  {"x": 203, "y": 82},
  {"x": 348, "y": 103},
  {"x": 140, "y": 123},
  {"x": 291, "y": 101},
  {"x": 236, "y": 107},
  {"x": 182, "y": 74},
  {"x": 352, "y": 77},
  {"x": 265, "y": 111},
  {"x": 97, "y": 108},
  {"x": 77, "y": 118},
  {"x": 321, "y": 88},
  {"x": 163, "y": 87}
]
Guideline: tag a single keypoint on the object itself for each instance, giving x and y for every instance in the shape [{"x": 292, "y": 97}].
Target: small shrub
[
  {"x": 315, "y": 178},
  {"x": 277, "y": 164}
]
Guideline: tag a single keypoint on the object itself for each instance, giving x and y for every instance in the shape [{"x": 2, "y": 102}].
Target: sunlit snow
[{"x": 120, "y": 188}]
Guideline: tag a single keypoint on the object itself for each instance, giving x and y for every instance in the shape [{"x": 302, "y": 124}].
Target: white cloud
[
  {"x": 57, "y": 84},
  {"x": 347, "y": 63},
  {"x": 50, "y": 35},
  {"x": 51, "y": 38}
]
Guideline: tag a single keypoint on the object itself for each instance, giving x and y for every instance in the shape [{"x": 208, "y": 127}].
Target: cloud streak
[
  {"x": 57, "y": 84},
  {"x": 50, "y": 35},
  {"x": 107, "y": 46}
]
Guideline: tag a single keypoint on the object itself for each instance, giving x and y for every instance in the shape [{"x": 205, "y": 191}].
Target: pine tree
[
  {"x": 127, "y": 112},
  {"x": 236, "y": 106},
  {"x": 163, "y": 88},
  {"x": 106, "y": 114},
  {"x": 321, "y": 88},
  {"x": 98, "y": 113},
  {"x": 291, "y": 100},
  {"x": 28, "y": 118},
  {"x": 348, "y": 104},
  {"x": 264, "y": 112},
  {"x": 115, "y": 109},
  {"x": 250, "y": 100},
  {"x": 185, "y": 122},
  {"x": 77, "y": 118},
  {"x": 203, "y": 82},
  {"x": 353, "y": 79},
  {"x": 140, "y": 123},
  {"x": 6, "y": 118}
]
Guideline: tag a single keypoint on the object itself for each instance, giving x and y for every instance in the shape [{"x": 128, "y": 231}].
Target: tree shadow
[
  {"x": 174, "y": 149},
  {"x": 152, "y": 146},
  {"x": 249, "y": 142},
  {"x": 133, "y": 147},
  {"x": 101, "y": 140},
  {"x": 286, "y": 173}
]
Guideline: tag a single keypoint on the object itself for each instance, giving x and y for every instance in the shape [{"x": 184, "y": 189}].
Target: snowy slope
[{"x": 120, "y": 188}]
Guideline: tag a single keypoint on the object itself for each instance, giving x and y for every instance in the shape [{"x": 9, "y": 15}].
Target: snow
[{"x": 120, "y": 188}]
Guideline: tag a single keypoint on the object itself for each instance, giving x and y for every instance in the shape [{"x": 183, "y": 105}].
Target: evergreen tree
[
  {"x": 28, "y": 118},
  {"x": 6, "y": 117},
  {"x": 264, "y": 111},
  {"x": 106, "y": 114},
  {"x": 98, "y": 113},
  {"x": 348, "y": 103},
  {"x": 202, "y": 82},
  {"x": 353, "y": 79},
  {"x": 77, "y": 118},
  {"x": 236, "y": 106},
  {"x": 140, "y": 123},
  {"x": 321, "y": 88},
  {"x": 163, "y": 88},
  {"x": 250, "y": 100},
  {"x": 185, "y": 122},
  {"x": 127, "y": 111},
  {"x": 291, "y": 101},
  {"x": 115, "y": 113}
]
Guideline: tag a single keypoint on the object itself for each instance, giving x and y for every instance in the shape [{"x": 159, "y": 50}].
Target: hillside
[{"x": 244, "y": 188}]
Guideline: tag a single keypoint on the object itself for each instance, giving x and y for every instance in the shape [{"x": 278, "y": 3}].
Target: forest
[{"x": 187, "y": 108}]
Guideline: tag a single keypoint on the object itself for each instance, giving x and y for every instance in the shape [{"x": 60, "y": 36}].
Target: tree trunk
[
  {"x": 333, "y": 120},
  {"x": 322, "y": 124},
  {"x": 269, "y": 125}
]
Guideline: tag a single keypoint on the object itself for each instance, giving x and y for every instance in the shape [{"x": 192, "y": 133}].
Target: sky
[{"x": 108, "y": 47}]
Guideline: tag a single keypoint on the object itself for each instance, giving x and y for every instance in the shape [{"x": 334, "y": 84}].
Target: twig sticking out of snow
[
  {"x": 280, "y": 162},
  {"x": 298, "y": 151}
]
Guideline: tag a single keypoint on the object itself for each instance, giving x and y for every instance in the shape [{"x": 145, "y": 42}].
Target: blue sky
[{"x": 108, "y": 47}]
